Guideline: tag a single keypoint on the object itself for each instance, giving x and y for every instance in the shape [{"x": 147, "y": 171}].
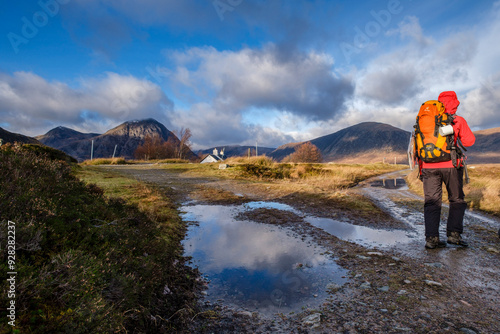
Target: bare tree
[
  {"x": 154, "y": 147},
  {"x": 306, "y": 152},
  {"x": 184, "y": 145}
]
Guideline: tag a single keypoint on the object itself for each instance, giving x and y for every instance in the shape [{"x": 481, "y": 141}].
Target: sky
[{"x": 245, "y": 71}]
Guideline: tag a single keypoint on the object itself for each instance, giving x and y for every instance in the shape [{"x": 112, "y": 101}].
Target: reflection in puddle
[
  {"x": 362, "y": 235},
  {"x": 257, "y": 266},
  {"x": 389, "y": 183},
  {"x": 270, "y": 205}
]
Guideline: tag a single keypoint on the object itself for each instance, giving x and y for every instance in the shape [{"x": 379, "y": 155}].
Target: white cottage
[
  {"x": 210, "y": 158},
  {"x": 214, "y": 157}
]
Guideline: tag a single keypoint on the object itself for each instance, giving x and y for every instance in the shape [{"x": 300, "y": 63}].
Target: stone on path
[{"x": 313, "y": 320}]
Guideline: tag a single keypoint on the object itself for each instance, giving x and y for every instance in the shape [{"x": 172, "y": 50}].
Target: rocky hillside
[
  {"x": 125, "y": 137},
  {"x": 362, "y": 143}
]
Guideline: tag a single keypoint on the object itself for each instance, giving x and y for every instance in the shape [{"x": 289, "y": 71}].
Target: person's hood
[{"x": 450, "y": 101}]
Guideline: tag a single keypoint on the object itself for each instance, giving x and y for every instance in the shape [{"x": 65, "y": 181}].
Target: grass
[
  {"x": 482, "y": 193},
  {"x": 105, "y": 161},
  {"x": 87, "y": 261},
  {"x": 147, "y": 199},
  {"x": 123, "y": 161},
  {"x": 262, "y": 168}
]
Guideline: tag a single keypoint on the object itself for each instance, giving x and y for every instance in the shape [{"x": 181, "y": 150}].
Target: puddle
[
  {"x": 396, "y": 183},
  {"x": 256, "y": 266},
  {"x": 362, "y": 235}
]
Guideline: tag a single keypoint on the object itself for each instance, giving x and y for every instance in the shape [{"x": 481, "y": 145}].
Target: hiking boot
[
  {"x": 456, "y": 239},
  {"x": 434, "y": 242}
]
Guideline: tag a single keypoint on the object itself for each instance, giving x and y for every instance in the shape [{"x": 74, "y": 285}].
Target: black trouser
[{"x": 433, "y": 180}]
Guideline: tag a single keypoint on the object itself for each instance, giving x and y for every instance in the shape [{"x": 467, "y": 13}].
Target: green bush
[
  {"x": 86, "y": 263},
  {"x": 265, "y": 170}
]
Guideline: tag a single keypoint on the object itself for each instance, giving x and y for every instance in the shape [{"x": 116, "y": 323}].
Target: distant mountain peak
[
  {"x": 140, "y": 129},
  {"x": 371, "y": 141},
  {"x": 61, "y": 129}
]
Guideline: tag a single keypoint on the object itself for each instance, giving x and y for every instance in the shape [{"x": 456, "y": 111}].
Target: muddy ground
[{"x": 397, "y": 288}]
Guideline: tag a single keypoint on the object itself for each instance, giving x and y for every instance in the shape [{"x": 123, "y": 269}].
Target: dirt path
[{"x": 393, "y": 286}]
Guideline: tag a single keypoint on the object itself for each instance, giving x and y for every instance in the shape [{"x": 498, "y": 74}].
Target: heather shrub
[
  {"x": 265, "y": 168},
  {"x": 86, "y": 263}
]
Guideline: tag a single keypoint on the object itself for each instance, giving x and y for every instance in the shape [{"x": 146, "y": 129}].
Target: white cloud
[
  {"x": 32, "y": 105},
  {"x": 304, "y": 84},
  {"x": 393, "y": 85},
  {"x": 248, "y": 94},
  {"x": 211, "y": 127},
  {"x": 482, "y": 100}
]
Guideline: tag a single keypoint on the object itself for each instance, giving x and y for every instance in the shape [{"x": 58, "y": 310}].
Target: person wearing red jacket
[{"x": 437, "y": 173}]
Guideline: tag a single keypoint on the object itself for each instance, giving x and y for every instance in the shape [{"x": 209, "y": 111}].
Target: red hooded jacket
[{"x": 460, "y": 128}]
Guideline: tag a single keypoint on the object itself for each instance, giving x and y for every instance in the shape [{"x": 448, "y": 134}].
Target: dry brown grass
[
  {"x": 342, "y": 176},
  {"x": 105, "y": 161},
  {"x": 295, "y": 176},
  {"x": 482, "y": 193},
  {"x": 261, "y": 160},
  {"x": 375, "y": 156}
]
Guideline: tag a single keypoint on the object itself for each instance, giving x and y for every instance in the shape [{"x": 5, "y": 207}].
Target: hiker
[{"x": 450, "y": 172}]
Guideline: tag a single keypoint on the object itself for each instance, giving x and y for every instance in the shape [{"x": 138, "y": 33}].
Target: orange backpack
[{"x": 430, "y": 145}]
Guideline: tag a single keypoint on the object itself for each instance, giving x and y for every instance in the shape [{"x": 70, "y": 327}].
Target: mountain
[
  {"x": 10, "y": 137},
  {"x": 237, "y": 150},
  {"x": 62, "y": 136},
  {"x": 362, "y": 143},
  {"x": 126, "y": 138},
  {"x": 486, "y": 149}
]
